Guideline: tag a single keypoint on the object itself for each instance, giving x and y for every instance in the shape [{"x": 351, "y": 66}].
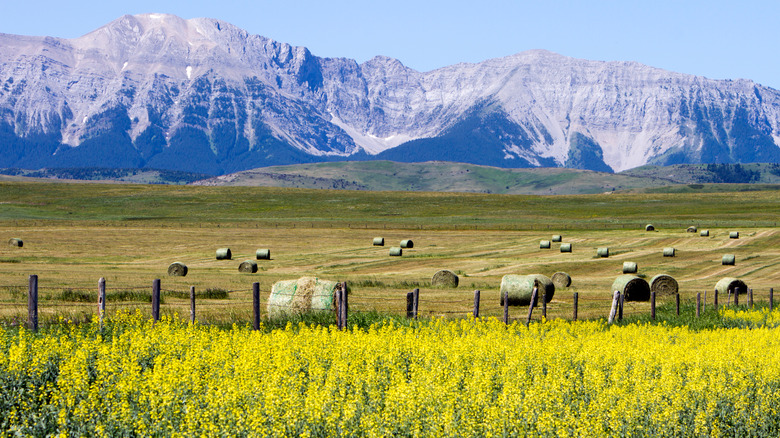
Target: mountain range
[{"x": 201, "y": 95}]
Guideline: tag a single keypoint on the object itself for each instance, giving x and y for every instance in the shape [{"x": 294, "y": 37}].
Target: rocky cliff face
[{"x": 202, "y": 95}]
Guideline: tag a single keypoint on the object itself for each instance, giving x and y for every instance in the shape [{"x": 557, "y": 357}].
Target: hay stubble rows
[{"x": 73, "y": 252}]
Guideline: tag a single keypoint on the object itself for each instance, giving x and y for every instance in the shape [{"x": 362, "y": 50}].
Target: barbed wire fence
[{"x": 150, "y": 299}]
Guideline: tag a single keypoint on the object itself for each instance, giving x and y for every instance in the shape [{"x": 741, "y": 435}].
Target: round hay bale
[
  {"x": 263, "y": 254},
  {"x": 15, "y": 242},
  {"x": 396, "y": 251},
  {"x": 557, "y": 238},
  {"x": 407, "y": 243},
  {"x": 566, "y": 247},
  {"x": 544, "y": 244},
  {"x": 734, "y": 235},
  {"x": 445, "y": 278},
  {"x": 379, "y": 241},
  {"x": 663, "y": 284},
  {"x": 177, "y": 269},
  {"x": 632, "y": 287},
  {"x": 649, "y": 227},
  {"x": 691, "y": 229},
  {"x": 602, "y": 252},
  {"x": 728, "y": 260},
  {"x": 727, "y": 285},
  {"x": 521, "y": 288},
  {"x": 224, "y": 254},
  {"x": 561, "y": 280},
  {"x": 629, "y": 268},
  {"x": 668, "y": 252},
  {"x": 704, "y": 233},
  {"x": 306, "y": 294},
  {"x": 248, "y": 267}
]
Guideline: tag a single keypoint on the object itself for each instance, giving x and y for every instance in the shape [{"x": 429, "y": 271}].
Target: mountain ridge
[{"x": 202, "y": 95}]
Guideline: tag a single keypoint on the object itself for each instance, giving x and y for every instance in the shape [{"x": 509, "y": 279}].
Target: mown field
[{"x": 76, "y": 233}]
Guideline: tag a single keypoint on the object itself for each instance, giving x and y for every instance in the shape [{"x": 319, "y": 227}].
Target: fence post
[
  {"x": 339, "y": 304},
  {"x": 715, "y": 303},
  {"x": 677, "y": 300},
  {"x": 416, "y": 301},
  {"x": 698, "y": 304},
  {"x": 156, "y": 300},
  {"x": 652, "y": 304},
  {"x": 736, "y": 296},
  {"x": 613, "y": 309},
  {"x": 192, "y": 304},
  {"x": 344, "y": 305},
  {"x": 256, "y": 306},
  {"x": 544, "y": 304},
  {"x": 506, "y": 307},
  {"x": 32, "y": 303},
  {"x": 534, "y": 296},
  {"x": 704, "y": 302},
  {"x": 410, "y": 305},
  {"x": 620, "y": 306},
  {"x": 476, "y": 304},
  {"x": 101, "y": 300},
  {"x": 750, "y": 297},
  {"x": 771, "y": 299},
  {"x": 576, "y": 303}
]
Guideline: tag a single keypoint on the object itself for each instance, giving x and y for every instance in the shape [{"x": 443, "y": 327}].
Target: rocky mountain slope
[{"x": 202, "y": 95}]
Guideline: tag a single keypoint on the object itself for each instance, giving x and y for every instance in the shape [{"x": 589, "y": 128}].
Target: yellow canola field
[{"x": 461, "y": 378}]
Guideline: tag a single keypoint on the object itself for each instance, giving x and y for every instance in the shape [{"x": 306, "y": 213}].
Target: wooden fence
[{"x": 616, "y": 310}]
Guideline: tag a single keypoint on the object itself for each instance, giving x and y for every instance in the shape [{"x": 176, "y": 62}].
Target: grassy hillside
[
  {"x": 436, "y": 176},
  {"x": 457, "y": 177},
  {"x": 752, "y": 173}
]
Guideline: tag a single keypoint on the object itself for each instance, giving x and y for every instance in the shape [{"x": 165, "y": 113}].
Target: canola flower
[
  {"x": 755, "y": 317},
  {"x": 463, "y": 378}
]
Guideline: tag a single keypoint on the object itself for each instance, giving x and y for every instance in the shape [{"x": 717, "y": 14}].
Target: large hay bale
[
  {"x": 663, "y": 284},
  {"x": 248, "y": 267},
  {"x": 691, "y": 229},
  {"x": 177, "y": 269},
  {"x": 379, "y": 241},
  {"x": 704, "y": 233},
  {"x": 224, "y": 254},
  {"x": 602, "y": 252},
  {"x": 669, "y": 252},
  {"x": 632, "y": 287},
  {"x": 16, "y": 242},
  {"x": 557, "y": 238},
  {"x": 306, "y": 294},
  {"x": 565, "y": 247},
  {"x": 727, "y": 285},
  {"x": 629, "y": 268},
  {"x": 521, "y": 288},
  {"x": 544, "y": 244},
  {"x": 263, "y": 254},
  {"x": 407, "y": 243},
  {"x": 649, "y": 227},
  {"x": 734, "y": 235},
  {"x": 728, "y": 260},
  {"x": 396, "y": 251},
  {"x": 561, "y": 280},
  {"x": 445, "y": 278}
]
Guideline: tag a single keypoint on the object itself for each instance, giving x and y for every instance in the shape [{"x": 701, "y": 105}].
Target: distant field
[{"x": 75, "y": 233}]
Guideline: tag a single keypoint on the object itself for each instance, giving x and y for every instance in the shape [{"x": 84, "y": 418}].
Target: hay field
[{"x": 73, "y": 237}]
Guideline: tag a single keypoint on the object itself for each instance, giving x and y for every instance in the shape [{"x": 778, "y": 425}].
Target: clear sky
[{"x": 713, "y": 38}]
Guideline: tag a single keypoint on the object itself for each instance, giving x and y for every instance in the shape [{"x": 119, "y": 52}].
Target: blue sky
[{"x": 713, "y": 38}]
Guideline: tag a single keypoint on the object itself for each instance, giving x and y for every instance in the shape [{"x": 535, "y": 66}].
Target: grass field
[{"x": 76, "y": 233}]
